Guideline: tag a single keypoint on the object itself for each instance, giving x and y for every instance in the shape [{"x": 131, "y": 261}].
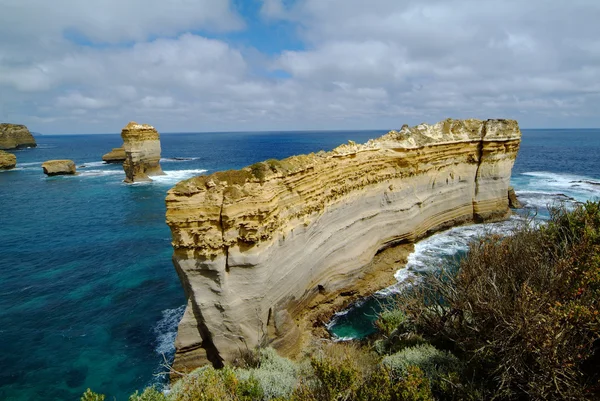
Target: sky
[{"x": 74, "y": 66}]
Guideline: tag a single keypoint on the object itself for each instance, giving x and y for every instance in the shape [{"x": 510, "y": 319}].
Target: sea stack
[
  {"x": 142, "y": 152},
  {"x": 59, "y": 167},
  {"x": 7, "y": 160},
  {"x": 15, "y": 136},
  {"x": 253, "y": 247},
  {"x": 117, "y": 155}
]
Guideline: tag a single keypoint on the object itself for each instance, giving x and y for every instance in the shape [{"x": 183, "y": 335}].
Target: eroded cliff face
[
  {"x": 14, "y": 136},
  {"x": 142, "y": 152},
  {"x": 252, "y": 247}
]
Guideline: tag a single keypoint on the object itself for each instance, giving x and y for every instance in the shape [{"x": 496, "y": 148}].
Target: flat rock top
[
  {"x": 422, "y": 135},
  {"x": 139, "y": 132}
]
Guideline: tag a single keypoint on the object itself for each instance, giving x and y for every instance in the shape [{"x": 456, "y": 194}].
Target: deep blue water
[{"x": 88, "y": 294}]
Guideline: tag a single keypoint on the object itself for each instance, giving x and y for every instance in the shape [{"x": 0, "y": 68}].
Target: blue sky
[{"x": 239, "y": 65}]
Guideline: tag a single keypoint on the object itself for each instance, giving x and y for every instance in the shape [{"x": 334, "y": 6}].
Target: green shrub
[
  {"x": 276, "y": 376},
  {"x": 522, "y": 310},
  {"x": 149, "y": 394},
  {"x": 389, "y": 320},
  {"x": 433, "y": 362},
  {"x": 414, "y": 386},
  {"x": 89, "y": 395},
  {"x": 206, "y": 384}
]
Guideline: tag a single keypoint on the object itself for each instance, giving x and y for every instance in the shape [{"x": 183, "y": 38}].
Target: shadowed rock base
[{"x": 254, "y": 248}]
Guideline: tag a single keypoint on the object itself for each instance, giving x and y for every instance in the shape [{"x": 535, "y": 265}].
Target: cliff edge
[
  {"x": 252, "y": 247},
  {"x": 14, "y": 136}
]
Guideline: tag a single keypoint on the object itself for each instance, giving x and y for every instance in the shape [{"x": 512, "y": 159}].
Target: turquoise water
[
  {"x": 552, "y": 166},
  {"x": 88, "y": 293}
]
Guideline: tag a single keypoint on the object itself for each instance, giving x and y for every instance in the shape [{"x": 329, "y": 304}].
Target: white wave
[
  {"x": 92, "y": 164},
  {"x": 177, "y": 159},
  {"x": 579, "y": 187},
  {"x": 542, "y": 200},
  {"x": 38, "y": 164},
  {"x": 166, "y": 330},
  {"x": 174, "y": 176},
  {"x": 99, "y": 173}
]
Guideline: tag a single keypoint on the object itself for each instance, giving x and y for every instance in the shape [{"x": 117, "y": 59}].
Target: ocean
[{"x": 88, "y": 294}]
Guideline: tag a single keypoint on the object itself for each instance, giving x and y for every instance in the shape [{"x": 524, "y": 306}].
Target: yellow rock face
[
  {"x": 7, "y": 160},
  {"x": 117, "y": 155},
  {"x": 14, "y": 136},
  {"x": 142, "y": 152},
  {"x": 59, "y": 167},
  {"x": 253, "y": 246}
]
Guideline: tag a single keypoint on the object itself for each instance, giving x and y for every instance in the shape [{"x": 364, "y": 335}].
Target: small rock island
[
  {"x": 116, "y": 155},
  {"x": 142, "y": 152},
  {"x": 253, "y": 247},
  {"x": 59, "y": 167},
  {"x": 7, "y": 160},
  {"x": 15, "y": 136}
]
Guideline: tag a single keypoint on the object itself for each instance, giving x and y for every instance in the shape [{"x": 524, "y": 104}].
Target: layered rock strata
[
  {"x": 253, "y": 247},
  {"x": 14, "y": 136},
  {"x": 7, "y": 160},
  {"x": 117, "y": 155},
  {"x": 142, "y": 152},
  {"x": 59, "y": 167}
]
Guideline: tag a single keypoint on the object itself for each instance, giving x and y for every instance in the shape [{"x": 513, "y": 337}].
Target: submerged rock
[
  {"x": 117, "y": 155},
  {"x": 7, "y": 160},
  {"x": 253, "y": 247},
  {"x": 59, "y": 167},
  {"x": 15, "y": 136},
  {"x": 142, "y": 152}
]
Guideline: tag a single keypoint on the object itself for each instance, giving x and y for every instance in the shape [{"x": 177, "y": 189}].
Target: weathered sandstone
[
  {"x": 142, "y": 152},
  {"x": 117, "y": 155},
  {"x": 59, "y": 167},
  {"x": 14, "y": 136},
  {"x": 254, "y": 247},
  {"x": 7, "y": 160},
  {"x": 513, "y": 201}
]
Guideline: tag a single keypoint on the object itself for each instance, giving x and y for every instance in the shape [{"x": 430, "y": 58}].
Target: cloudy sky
[{"x": 74, "y": 66}]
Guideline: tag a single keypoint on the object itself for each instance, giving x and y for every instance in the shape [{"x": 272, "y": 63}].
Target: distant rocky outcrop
[
  {"x": 254, "y": 246},
  {"x": 513, "y": 201},
  {"x": 117, "y": 155},
  {"x": 59, "y": 167},
  {"x": 14, "y": 136},
  {"x": 142, "y": 152},
  {"x": 7, "y": 160}
]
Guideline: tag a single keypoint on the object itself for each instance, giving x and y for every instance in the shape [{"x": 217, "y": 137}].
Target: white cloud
[
  {"x": 380, "y": 63},
  {"x": 113, "y": 21}
]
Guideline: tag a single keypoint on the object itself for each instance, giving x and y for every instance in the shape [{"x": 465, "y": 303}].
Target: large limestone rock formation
[
  {"x": 7, "y": 160},
  {"x": 142, "y": 150},
  {"x": 117, "y": 155},
  {"x": 253, "y": 247},
  {"x": 59, "y": 167},
  {"x": 13, "y": 136}
]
